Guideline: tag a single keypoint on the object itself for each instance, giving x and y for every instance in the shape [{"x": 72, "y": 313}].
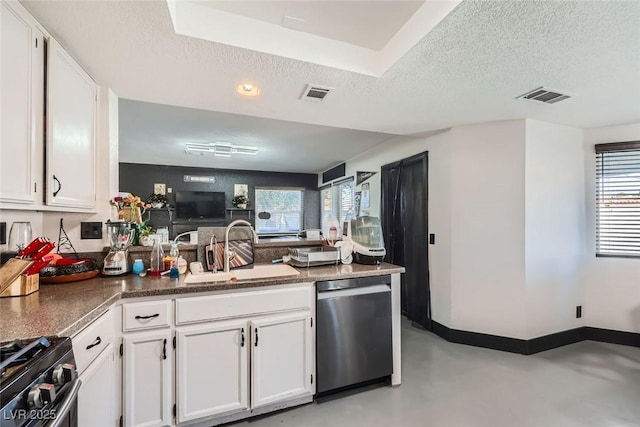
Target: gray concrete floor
[{"x": 452, "y": 385}]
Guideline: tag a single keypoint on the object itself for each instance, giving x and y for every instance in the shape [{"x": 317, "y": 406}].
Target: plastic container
[
  {"x": 182, "y": 265},
  {"x": 138, "y": 266}
]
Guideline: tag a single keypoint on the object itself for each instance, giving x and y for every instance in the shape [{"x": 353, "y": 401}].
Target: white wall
[
  {"x": 612, "y": 285},
  {"x": 487, "y": 228},
  {"x": 439, "y": 218},
  {"x": 515, "y": 228},
  {"x": 555, "y": 221}
]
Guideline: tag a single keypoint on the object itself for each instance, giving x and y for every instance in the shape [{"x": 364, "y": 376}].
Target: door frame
[{"x": 424, "y": 159}]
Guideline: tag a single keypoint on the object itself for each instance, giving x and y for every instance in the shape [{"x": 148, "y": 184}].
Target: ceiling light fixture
[
  {"x": 247, "y": 89},
  {"x": 220, "y": 149}
]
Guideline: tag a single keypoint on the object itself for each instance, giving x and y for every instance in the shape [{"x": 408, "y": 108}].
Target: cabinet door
[
  {"x": 71, "y": 130},
  {"x": 21, "y": 104},
  {"x": 282, "y": 358},
  {"x": 97, "y": 399},
  {"x": 148, "y": 361},
  {"x": 212, "y": 369}
]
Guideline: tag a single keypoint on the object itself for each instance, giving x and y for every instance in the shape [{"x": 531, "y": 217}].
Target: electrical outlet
[
  {"x": 578, "y": 311},
  {"x": 160, "y": 189},
  {"x": 91, "y": 230},
  {"x": 169, "y": 190},
  {"x": 3, "y": 233}
]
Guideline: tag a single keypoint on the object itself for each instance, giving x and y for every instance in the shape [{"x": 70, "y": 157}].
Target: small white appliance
[
  {"x": 365, "y": 234},
  {"x": 120, "y": 235}
]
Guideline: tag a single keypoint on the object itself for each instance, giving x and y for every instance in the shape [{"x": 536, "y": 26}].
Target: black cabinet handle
[
  {"x": 95, "y": 343},
  {"x": 164, "y": 349},
  {"x": 55, "y": 193},
  {"x": 242, "y": 338},
  {"x": 148, "y": 317},
  {"x": 256, "y": 337}
]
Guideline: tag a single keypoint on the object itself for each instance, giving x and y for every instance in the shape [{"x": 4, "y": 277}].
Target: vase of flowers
[
  {"x": 130, "y": 208},
  {"x": 240, "y": 201}
]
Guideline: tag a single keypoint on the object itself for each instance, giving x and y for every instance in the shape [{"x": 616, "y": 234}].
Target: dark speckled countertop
[{"x": 64, "y": 309}]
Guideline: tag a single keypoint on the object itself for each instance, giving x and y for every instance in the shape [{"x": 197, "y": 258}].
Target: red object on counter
[
  {"x": 37, "y": 251},
  {"x": 44, "y": 250},
  {"x": 34, "y": 246}
]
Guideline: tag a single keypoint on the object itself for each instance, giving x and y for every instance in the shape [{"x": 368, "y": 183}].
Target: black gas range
[{"x": 38, "y": 383}]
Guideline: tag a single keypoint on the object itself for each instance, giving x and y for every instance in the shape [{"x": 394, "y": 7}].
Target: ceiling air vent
[
  {"x": 315, "y": 93},
  {"x": 546, "y": 95}
]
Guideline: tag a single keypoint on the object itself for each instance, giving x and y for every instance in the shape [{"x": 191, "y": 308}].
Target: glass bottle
[
  {"x": 173, "y": 254},
  {"x": 156, "y": 261}
]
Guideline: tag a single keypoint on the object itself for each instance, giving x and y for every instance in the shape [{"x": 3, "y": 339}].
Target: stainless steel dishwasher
[{"x": 353, "y": 332}]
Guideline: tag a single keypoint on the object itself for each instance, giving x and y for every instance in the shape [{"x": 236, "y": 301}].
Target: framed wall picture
[
  {"x": 240, "y": 190},
  {"x": 357, "y": 199},
  {"x": 365, "y": 202}
]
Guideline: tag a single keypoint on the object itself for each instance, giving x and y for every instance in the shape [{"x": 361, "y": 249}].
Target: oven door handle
[{"x": 65, "y": 407}]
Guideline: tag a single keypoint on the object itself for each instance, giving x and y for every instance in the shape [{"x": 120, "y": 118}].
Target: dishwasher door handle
[{"x": 365, "y": 290}]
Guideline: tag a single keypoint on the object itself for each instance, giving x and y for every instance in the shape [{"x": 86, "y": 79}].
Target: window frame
[
  {"x": 603, "y": 191},
  {"x": 336, "y": 199},
  {"x": 279, "y": 188}
]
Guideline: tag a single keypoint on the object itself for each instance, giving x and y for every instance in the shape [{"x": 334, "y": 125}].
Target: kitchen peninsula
[{"x": 143, "y": 316}]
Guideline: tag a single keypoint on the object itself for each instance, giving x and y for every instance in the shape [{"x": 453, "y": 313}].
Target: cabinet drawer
[
  {"x": 253, "y": 302},
  {"x": 90, "y": 342},
  {"x": 146, "y": 315}
]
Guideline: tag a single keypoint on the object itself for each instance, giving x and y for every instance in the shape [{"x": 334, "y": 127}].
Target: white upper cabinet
[
  {"x": 71, "y": 132},
  {"x": 21, "y": 105}
]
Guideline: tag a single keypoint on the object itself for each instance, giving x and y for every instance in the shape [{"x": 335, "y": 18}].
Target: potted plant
[
  {"x": 157, "y": 201},
  {"x": 240, "y": 201},
  {"x": 143, "y": 234}
]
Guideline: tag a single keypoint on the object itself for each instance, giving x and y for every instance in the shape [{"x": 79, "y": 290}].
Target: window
[
  {"x": 285, "y": 206},
  {"x": 337, "y": 200},
  {"x": 618, "y": 199}
]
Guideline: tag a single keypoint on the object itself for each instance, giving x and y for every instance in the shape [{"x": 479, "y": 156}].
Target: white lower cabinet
[
  {"x": 235, "y": 355},
  {"x": 213, "y": 361},
  {"x": 99, "y": 370},
  {"x": 211, "y": 369},
  {"x": 281, "y": 362},
  {"x": 147, "y": 378},
  {"x": 97, "y": 405}
]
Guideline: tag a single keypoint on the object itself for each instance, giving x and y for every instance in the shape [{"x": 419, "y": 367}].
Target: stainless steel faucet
[{"x": 226, "y": 239}]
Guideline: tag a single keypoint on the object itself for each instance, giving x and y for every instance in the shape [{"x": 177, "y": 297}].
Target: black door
[{"x": 403, "y": 213}]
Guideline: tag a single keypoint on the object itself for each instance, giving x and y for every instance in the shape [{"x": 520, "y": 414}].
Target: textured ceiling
[{"x": 467, "y": 70}]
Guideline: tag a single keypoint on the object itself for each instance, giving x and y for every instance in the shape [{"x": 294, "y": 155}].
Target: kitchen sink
[{"x": 255, "y": 273}]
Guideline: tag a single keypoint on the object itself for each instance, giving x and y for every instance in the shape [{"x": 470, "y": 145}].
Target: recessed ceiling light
[{"x": 247, "y": 89}]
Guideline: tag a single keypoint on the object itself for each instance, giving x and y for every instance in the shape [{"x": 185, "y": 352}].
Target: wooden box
[{"x": 23, "y": 285}]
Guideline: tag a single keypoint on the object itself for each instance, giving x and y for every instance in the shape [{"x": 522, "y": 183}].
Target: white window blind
[
  {"x": 337, "y": 200},
  {"x": 618, "y": 199},
  {"x": 285, "y": 208}
]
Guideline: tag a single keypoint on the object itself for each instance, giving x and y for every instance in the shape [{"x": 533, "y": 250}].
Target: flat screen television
[{"x": 200, "y": 205}]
